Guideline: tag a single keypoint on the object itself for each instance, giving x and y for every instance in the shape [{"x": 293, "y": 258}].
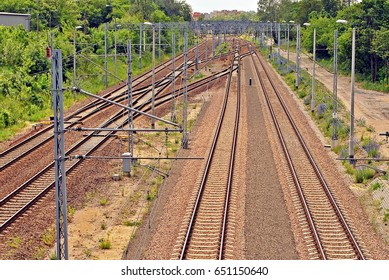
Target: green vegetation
[
  {"x": 48, "y": 237},
  {"x": 362, "y": 175},
  {"x": 386, "y": 216},
  {"x": 103, "y": 201},
  {"x": 71, "y": 212},
  {"x": 15, "y": 242},
  {"x": 25, "y": 78},
  {"x": 132, "y": 223},
  {"x": 370, "y": 18},
  {"x": 105, "y": 243},
  {"x": 376, "y": 186}
]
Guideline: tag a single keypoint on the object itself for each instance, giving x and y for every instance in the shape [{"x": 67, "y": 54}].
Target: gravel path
[{"x": 373, "y": 106}]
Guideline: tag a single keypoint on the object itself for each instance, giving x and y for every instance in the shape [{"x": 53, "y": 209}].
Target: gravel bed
[
  {"x": 268, "y": 231},
  {"x": 24, "y": 169},
  {"x": 339, "y": 182},
  {"x": 157, "y": 237}
]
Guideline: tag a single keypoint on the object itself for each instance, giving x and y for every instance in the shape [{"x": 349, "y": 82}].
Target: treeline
[
  {"x": 369, "y": 17},
  {"x": 92, "y": 13},
  {"x": 25, "y": 93}
]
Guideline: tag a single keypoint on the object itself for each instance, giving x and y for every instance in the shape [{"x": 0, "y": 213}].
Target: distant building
[
  {"x": 224, "y": 13},
  {"x": 196, "y": 16},
  {"x": 12, "y": 19}
]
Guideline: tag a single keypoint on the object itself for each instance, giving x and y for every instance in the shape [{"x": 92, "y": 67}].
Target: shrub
[
  {"x": 321, "y": 109},
  {"x": 103, "y": 201},
  {"x": 48, "y": 238},
  {"x": 105, "y": 244},
  {"x": 371, "y": 147},
  {"x": 363, "y": 174},
  {"x": 349, "y": 168},
  {"x": 386, "y": 216},
  {"x": 360, "y": 122},
  {"x": 307, "y": 100},
  {"x": 376, "y": 186},
  {"x": 132, "y": 223}
]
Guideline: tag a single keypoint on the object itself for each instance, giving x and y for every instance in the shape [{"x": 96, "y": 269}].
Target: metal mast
[
  {"x": 59, "y": 157},
  {"x": 105, "y": 56},
  {"x": 298, "y": 57},
  {"x": 185, "y": 101},
  {"x": 173, "y": 118},
  {"x": 129, "y": 89},
  {"x": 140, "y": 46}
]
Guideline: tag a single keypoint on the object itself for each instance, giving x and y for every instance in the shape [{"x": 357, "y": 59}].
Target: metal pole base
[{"x": 334, "y": 143}]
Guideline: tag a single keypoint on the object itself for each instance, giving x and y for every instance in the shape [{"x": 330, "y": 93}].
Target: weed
[
  {"x": 132, "y": 223},
  {"x": 15, "y": 242},
  {"x": 376, "y": 186},
  {"x": 370, "y": 128},
  {"x": 307, "y": 100},
  {"x": 53, "y": 256},
  {"x": 361, "y": 122},
  {"x": 363, "y": 174},
  {"x": 349, "y": 167},
  {"x": 71, "y": 212},
  {"x": 103, "y": 201},
  {"x": 371, "y": 147},
  {"x": 386, "y": 216},
  {"x": 148, "y": 196},
  {"x": 88, "y": 252},
  {"x": 48, "y": 238},
  {"x": 103, "y": 226},
  {"x": 321, "y": 109},
  {"x": 105, "y": 244},
  {"x": 39, "y": 254}
]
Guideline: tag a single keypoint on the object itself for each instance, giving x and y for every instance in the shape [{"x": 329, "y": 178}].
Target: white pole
[
  {"x": 313, "y": 72},
  {"x": 153, "y": 81},
  {"x": 351, "y": 146}
]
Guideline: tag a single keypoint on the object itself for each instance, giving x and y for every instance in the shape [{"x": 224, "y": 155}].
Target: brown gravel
[
  {"x": 268, "y": 229},
  {"x": 157, "y": 237},
  {"x": 334, "y": 174}
]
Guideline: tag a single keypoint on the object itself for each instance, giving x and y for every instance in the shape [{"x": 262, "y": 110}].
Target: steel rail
[
  {"x": 319, "y": 175},
  {"x": 162, "y": 100},
  {"x": 142, "y": 91},
  {"x": 140, "y": 79},
  {"x": 231, "y": 167},
  {"x": 207, "y": 167}
]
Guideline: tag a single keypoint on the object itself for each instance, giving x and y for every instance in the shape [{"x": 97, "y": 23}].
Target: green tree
[
  {"x": 367, "y": 17},
  {"x": 331, "y": 7},
  {"x": 306, "y": 8},
  {"x": 380, "y": 46},
  {"x": 268, "y": 10}
]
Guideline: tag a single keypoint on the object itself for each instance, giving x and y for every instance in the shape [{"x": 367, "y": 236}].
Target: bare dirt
[{"x": 372, "y": 106}]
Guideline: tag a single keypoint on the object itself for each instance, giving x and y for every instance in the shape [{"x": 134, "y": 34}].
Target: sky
[{"x": 207, "y": 6}]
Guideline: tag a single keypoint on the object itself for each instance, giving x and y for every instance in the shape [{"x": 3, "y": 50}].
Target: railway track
[
  {"x": 29, "y": 193},
  {"x": 13, "y": 154},
  {"x": 206, "y": 229},
  {"x": 327, "y": 232}
]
